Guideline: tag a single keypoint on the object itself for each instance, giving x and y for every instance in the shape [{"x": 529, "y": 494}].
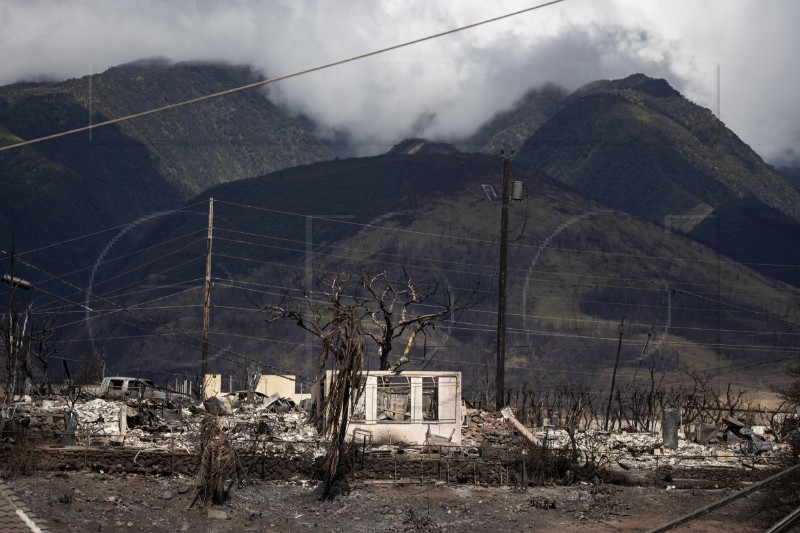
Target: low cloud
[{"x": 444, "y": 88}]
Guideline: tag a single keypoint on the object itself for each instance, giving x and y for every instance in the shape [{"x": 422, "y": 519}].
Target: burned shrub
[
  {"x": 543, "y": 465},
  {"x": 22, "y": 457},
  {"x": 218, "y": 462}
]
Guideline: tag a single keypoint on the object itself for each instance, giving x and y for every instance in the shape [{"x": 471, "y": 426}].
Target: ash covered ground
[
  {"x": 86, "y": 501},
  {"x": 646, "y": 484}
]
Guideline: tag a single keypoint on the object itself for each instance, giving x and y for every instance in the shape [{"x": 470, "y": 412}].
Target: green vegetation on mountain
[
  {"x": 509, "y": 129},
  {"x": 92, "y": 181},
  {"x": 285, "y": 211},
  {"x": 754, "y": 234},
  {"x": 639, "y": 146},
  {"x": 194, "y": 147},
  {"x": 575, "y": 269}
]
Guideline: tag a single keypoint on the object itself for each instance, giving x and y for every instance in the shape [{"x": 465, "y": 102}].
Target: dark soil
[{"x": 84, "y": 501}]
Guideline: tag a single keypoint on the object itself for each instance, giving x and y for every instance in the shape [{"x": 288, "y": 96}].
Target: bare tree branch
[{"x": 389, "y": 310}]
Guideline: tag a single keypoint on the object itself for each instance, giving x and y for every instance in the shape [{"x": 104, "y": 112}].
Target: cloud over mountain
[{"x": 442, "y": 88}]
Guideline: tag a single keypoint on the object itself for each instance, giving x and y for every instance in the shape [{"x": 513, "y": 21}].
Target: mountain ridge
[
  {"x": 638, "y": 145},
  {"x": 88, "y": 182},
  {"x": 577, "y": 264}
]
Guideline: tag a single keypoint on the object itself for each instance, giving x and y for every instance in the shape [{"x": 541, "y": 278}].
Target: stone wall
[
  {"x": 414, "y": 467},
  {"x": 461, "y": 470},
  {"x": 37, "y": 425},
  {"x": 268, "y": 467},
  {"x": 716, "y": 476},
  {"x": 152, "y": 461}
]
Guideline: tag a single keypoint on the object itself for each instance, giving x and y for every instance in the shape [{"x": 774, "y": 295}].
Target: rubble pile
[
  {"x": 42, "y": 422},
  {"x": 733, "y": 445},
  {"x": 158, "y": 424},
  {"x": 274, "y": 426},
  {"x": 100, "y": 417},
  {"x": 646, "y": 450},
  {"x": 487, "y": 429}
]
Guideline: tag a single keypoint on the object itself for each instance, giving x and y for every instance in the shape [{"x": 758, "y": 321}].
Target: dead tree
[
  {"x": 28, "y": 339},
  {"x": 343, "y": 313},
  {"x": 791, "y": 392},
  {"x": 343, "y": 346},
  {"x": 91, "y": 366},
  {"x": 392, "y": 310},
  {"x": 388, "y": 311},
  {"x": 218, "y": 463}
]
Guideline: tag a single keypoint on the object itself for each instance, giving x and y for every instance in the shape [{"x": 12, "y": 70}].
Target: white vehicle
[{"x": 124, "y": 388}]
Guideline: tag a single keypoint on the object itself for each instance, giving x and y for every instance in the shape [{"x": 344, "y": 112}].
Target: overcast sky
[{"x": 444, "y": 88}]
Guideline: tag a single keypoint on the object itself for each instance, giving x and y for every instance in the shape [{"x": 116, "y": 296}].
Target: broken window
[
  {"x": 430, "y": 398},
  {"x": 394, "y": 399},
  {"x": 115, "y": 385},
  {"x": 135, "y": 389}
]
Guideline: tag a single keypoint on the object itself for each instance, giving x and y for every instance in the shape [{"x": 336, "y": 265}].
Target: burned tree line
[
  {"x": 29, "y": 340},
  {"x": 638, "y": 407}
]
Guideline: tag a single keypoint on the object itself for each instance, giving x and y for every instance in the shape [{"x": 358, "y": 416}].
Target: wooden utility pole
[
  {"x": 207, "y": 297},
  {"x": 614, "y": 374},
  {"x": 501, "y": 299}
]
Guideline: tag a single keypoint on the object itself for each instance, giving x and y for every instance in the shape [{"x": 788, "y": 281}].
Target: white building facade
[{"x": 414, "y": 407}]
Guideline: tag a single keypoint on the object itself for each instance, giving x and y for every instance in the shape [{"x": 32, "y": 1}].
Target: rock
[{"x": 217, "y": 514}]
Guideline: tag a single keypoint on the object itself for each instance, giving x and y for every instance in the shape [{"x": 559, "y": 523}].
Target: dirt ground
[{"x": 87, "y": 501}]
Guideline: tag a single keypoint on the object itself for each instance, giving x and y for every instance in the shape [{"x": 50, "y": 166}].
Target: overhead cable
[{"x": 272, "y": 80}]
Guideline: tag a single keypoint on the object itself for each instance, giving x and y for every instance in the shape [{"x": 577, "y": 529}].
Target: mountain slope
[
  {"x": 637, "y": 145},
  {"x": 509, "y": 129},
  {"x": 225, "y": 139},
  {"x": 752, "y": 233},
  {"x": 84, "y": 183},
  {"x": 575, "y": 268},
  {"x": 792, "y": 174}
]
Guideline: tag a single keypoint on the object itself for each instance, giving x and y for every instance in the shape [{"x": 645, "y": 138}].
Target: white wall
[{"x": 412, "y": 431}]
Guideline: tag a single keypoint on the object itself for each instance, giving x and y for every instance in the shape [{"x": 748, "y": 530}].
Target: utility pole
[
  {"x": 614, "y": 374},
  {"x": 207, "y": 298},
  {"x": 501, "y": 299}
]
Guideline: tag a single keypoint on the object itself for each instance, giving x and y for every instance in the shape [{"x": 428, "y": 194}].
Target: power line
[
  {"x": 99, "y": 232},
  {"x": 148, "y": 319},
  {"x": 273, "y": 80},
  {"x": 684, "y": 291},
  {"x": 444, "y": 236},
  {"x": 486, "y": 328},
  {"x": 400, "y": 230}
]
